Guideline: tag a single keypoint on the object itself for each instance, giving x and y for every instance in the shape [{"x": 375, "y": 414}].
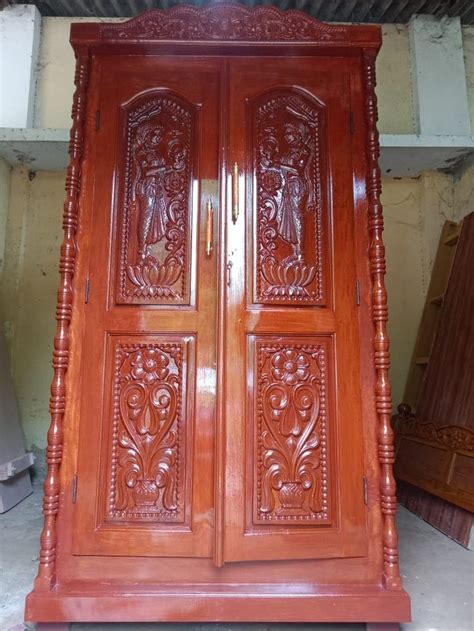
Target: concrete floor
[{"x": 438, "y": 574}]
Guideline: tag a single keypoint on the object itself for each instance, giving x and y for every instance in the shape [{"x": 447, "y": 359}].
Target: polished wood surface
[
  {"x": 293, "y": 449},
  {"x": 225, "y": 452},
  {"x": 150, "y": 317}
]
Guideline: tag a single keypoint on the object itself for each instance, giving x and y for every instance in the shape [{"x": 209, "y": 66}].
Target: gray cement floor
[{"x": 438, "y": 574}]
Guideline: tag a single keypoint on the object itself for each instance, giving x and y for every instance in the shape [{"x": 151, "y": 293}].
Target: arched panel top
[
  {"x": 300, "y": 96},
  {"x": 169, "y": 99},
  {"x": 158, "y": 131},
  {"x": 288, "y": 131}
]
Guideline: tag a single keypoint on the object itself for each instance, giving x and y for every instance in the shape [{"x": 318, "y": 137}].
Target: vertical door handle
[
  {"x": 209, "y": 227},
  {"x": 235, "y": 192}
]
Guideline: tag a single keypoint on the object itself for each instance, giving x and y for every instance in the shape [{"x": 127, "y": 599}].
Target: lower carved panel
[
  {"x": 147, "y": 472},
  {"x": 291, "y": 434}
]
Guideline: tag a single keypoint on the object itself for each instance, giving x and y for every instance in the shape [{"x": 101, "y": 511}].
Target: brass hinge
[
  {"x": 86, "y": 290},
  {"x": 357, "y": 293},
  {"x": 97, "y": 120},
  {"x": 351, "y": 122},
  {"x": 74, "y": 489},
  {"x": 366, "y": 490}
]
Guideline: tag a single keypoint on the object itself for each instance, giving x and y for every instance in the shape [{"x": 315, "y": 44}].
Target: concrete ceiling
[{"x": 381, "y": 11}]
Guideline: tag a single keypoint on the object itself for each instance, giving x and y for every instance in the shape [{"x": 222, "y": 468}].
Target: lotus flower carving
[
  {"x": 154, "y": 279},
  {"x": 287, "y": 280}
]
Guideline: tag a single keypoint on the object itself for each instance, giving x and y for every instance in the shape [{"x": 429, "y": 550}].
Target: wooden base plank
[{"x": 123, "y": 604}]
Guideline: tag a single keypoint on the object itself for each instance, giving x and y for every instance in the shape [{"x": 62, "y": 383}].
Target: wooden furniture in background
[
  {"x": 431, "y": 312},
  {"x": 220, "y": 444},
  {"x": 435, "y": 444}
]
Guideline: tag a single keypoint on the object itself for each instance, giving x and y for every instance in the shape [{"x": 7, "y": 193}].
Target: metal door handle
[
  {"x": 209, "y": 227},
  {"x": 235, "y": 192}
]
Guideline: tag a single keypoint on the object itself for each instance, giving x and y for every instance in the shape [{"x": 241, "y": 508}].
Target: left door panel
[{"x": 145, "y": 454}]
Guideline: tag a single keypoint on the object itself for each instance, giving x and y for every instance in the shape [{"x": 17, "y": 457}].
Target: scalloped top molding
[{"x": 226, "y": 21}]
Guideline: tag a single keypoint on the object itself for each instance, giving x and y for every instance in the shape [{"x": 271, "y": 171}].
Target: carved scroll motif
[
  {"x": 287, "y": 162},
  {"x": 146, "y": 475},
  {"x": 226, "y": 21},
  {"x": 292, "y": 480},
  {"x": 154, "y": 257}
]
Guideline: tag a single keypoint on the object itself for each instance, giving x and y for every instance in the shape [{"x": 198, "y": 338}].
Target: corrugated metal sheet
[{"x": 381, "y": 11}]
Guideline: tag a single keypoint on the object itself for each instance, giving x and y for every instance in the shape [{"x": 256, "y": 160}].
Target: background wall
[{"x": 415, "y": 210}]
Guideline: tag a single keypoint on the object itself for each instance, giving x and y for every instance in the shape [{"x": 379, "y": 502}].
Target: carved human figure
[
  {"x": 148, "y": 187},
  {"x": 294, "y": 195}
]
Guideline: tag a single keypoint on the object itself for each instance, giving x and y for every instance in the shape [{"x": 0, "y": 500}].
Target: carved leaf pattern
[
  {"x": 145, "y": 481},
  {"x": 156, "y": 223},
  {"x": 287, "y": 163},
  {"x": 291, "y": 433}
]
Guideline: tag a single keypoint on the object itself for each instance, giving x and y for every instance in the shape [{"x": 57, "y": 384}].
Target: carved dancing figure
[
  {"x": 294, "y": 195},
  {"x": 148, "y": 188}
]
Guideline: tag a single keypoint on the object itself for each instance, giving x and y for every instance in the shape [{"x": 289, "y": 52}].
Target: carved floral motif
[
  {"x": 287, "y": 129},
  {"x": 291, "y": 433},
  {"x": 226, "y": 21},
  {"x": 453, "y": 437},
  {"x": 156, "y": 211},
  {"x": 146, "y": 476}
]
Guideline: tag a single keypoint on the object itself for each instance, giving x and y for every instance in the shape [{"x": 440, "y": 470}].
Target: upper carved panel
[
  {"x": 288, "y": 133},
  {"x": 147, "y": 463},
  {"x": 154, "y": 264},
  {"x": 225, "y": 21},
  {"x": 291, "y": 433}
]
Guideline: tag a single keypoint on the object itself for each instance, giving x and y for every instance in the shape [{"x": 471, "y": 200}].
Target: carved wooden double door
[{"x": 220, "y": 398}]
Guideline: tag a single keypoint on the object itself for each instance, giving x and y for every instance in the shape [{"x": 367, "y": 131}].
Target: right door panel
[{"x": 293, "y": 432}]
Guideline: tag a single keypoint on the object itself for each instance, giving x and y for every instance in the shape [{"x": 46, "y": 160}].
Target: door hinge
[
  {"x": 351, "y": 122},
  {"x": 74, "y": 489},
  {"x": 86, "y": 290},
  {"x": 97, "y": 120},
  {"x": 357, "y": 288},
  {"x": 366, "y": 490}
]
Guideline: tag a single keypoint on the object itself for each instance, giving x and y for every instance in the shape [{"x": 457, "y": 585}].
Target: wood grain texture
[
  {"x": 447, "y": 396},
  {"x": 453, "y": 521},
  {"x": 431, "y": 312}
]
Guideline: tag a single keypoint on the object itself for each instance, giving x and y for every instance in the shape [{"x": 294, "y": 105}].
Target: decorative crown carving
[{"x": 225, "y": 21}]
